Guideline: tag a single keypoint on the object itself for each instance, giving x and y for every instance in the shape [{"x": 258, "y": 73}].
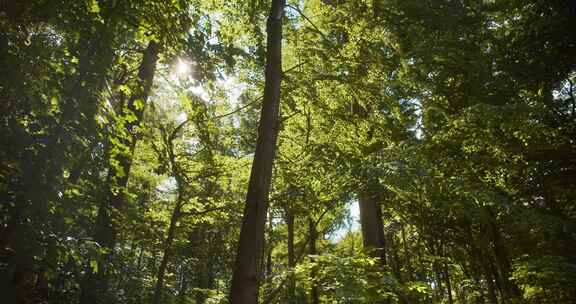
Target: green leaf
[
  {"x": 94, "y": 266},
  {"x": 138, "y": 104},
  {"x": 94, "y": 7}
]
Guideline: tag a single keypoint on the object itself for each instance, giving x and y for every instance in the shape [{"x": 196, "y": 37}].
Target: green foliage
[
  {"x": 350, "y": 279},
  {"x": 459, "y": 116},
  {"x": 545, "y": 279}
]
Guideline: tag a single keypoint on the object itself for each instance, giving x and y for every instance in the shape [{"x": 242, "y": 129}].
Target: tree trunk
[
  {"x": 491, "y": 287},
  {"x": 291, "y": 257},
  {"x": 509, "y": 289},
  {"x": 315, "y": 292},
  {"x": 372, "y": 226},
  {"x": 439, "y": 287},
  {"x": 182, "y": 290},
  {"x": 96, "y": 284},
  {"x": 448, "y": 283},
  {"x": 204, "y": 281},
  {"x": 244, "y": 287},
  {"x": 268, "y": 275},
  {"x": 167, "y": 250},
  {"x": 393, "y": 254},
  {"x": 476, "y": 268},
  {"x": 497, "y": 280},
  {"x": 407, "y": 255}
]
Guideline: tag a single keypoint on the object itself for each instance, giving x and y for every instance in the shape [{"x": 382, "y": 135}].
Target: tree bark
[
  {"x": 245, "y": 278},
  {"x": 372, "y": 226}
]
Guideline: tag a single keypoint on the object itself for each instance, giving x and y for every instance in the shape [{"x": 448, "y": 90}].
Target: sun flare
[{"x": 182, "y": 67}]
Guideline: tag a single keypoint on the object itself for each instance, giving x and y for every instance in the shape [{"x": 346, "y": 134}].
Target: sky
[{"x": 351, "y": 226}]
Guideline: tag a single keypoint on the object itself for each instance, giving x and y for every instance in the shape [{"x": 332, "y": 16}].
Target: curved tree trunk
[{"x": 245, "y": 279}]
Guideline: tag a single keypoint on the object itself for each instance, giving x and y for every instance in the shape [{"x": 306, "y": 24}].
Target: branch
[
  {"x": 309, "y": 21},
  {"x": 182, "y": 124},
  {"x": 196, "y": 213},
  {"x": 295, "y": 67}
]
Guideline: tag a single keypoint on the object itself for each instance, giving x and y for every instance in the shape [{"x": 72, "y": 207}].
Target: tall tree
[
  {"x": 245, "y": 280},
  {"x": 372, "y": 226}
]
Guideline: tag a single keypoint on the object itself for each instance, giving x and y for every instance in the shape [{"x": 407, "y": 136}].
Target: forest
[{"x": 288, "y": 151}]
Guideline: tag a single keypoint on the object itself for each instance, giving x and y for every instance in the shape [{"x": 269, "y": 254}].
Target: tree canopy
[{"x": 315, "y": 151}]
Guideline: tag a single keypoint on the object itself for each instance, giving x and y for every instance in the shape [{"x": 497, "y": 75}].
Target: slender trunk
[
  {"x": 476, "y": 265},
  {"x": 448, "y": 283},
  {"x": 244, "y": 287},
  {"x": 436, "y": 268},
  {"x": 509, "y": 289},
  {"x": 167, "y": 251},
  {"x": 439, "y": 285},
  {"x": 315, "y": 292},
  {"x": 407, "y": 255},
  {"x": 205, "y": 281},
  {"x": 497, "y": 280},
  {"x": 291, "y": 257},
  {"x": 476, "y": 277},
  {"x": 372, "y": 226},
  {"x": 491, "y": 287},
  {"x": 96, "y": 284},
  {"x": 182, "y": 290},
  {"x": 460, "y": 294},
  {"x": 269, "y": 265},
  {"x": 140, "y": 256},
  {"x": 394, "y": 255}
]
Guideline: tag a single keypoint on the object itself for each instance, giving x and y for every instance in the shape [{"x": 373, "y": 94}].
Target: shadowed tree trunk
[
  {"x": 372, "y": 226},
  {"x": 394, "y": 259},
  {"x": 245, "y": 279},
  {"x": 490, "y": 284},
  {"x": 167, "y": 251},
  {"x": 373, "y": 238},
  {"x": 96, "y": 282},
  {"x": 508, "y": 288}
]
